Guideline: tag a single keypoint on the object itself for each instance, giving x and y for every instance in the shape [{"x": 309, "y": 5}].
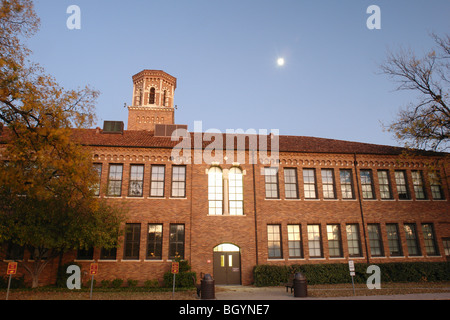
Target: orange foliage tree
[{"x": 46, "y": 178}]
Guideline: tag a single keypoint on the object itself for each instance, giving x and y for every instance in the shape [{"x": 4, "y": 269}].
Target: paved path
[{"x": 279, "y": 293}]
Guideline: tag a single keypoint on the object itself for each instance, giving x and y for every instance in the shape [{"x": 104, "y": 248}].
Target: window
[
  {"x": 154, "y": 242},
  {"x": 176, "y": 241},
  {"x": 215, "y": 191},
  {"x": 290, "y": 183},
  {"x": 115, "y": 180},
  {"x": 366, "y": 184},
  {"x": 346, "y": 184},
  {"x": 136, "y": 180},
  {"x": 402, "y": 188},
  {"x": 294, "y": 241},
  {"x": 419, "y": 190},
  {"x": 411, "y": 239},
  {"x": 14, "y": 252},
  {"x": 108, "y": 254},
  {"x": 132, "y": 241},
  {"x": 328, "y": 184},
  {"x": 179, "y": 181},
  {"x": 334, "y": 240},
  {"x": 376, "y": 246},
  {"x": 354, "y": 245},
  {"x": 314, "y": 242},
  {"x": 274, "y": 241},
  {"x": 139, "y": 98},
  {"x": 157, "y": 181},
  {"x": 96, "y": 186},
  {"x": 271, "y": 182},
  {"x": 164, "y": 98},
  {"x": 85, "y": 254},
  {"x": 151, "y": 98},
  {"x": 446, "y": 242},
  {"x": 429, "y": 239},
  {"x": 435, "y": 184},
  {"x": 309, "y": 183},
  {"x": 236, "y": 191},
  {"x": 384, "y": 183},
  {"x": 393, "y": 238},
  {"x": 40, "y": 251}
]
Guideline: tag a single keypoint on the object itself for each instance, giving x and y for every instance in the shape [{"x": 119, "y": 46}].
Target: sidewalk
[{"x": 279, "y": 293}]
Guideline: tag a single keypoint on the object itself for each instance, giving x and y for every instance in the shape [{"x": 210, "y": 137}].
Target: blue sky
[{"x": 224, "y": 55}]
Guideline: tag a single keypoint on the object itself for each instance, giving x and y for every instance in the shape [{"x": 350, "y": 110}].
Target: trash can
[
  {"x": 300, "y": 286},
  {"x": 207, "y": 288}
]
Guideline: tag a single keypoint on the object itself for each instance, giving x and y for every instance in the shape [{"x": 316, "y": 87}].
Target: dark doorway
[{"x": 227, "y": 264}]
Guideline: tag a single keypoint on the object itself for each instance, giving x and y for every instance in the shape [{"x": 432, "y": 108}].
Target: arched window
[
  {"x": 236, "y": 191},
  {"x": 151, "y": 98},
  {"x": 215, "y": 191},
  {"x": 164, "y": 99},
  {"x": 139, "y": 98}
]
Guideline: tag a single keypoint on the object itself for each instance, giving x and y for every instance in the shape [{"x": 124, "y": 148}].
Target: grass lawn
[{"x": 337, "y": 290}]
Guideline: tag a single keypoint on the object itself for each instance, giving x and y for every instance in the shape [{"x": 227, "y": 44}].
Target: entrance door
[{"x": 227, "y": 264}]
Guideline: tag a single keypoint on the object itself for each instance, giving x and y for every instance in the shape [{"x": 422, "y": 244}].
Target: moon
[{"x": 280, "y": 62}]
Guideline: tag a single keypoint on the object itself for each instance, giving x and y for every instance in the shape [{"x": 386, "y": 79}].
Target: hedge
[
  {"x": 16, "y": 282},
  {"x": 273, "y": 275},
  {"x": 182, "y": 280}
]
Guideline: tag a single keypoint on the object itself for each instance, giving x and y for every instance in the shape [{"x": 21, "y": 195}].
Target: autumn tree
[
  {"x": 425, "y": 123},
  {"x": 46, "y": 177}
]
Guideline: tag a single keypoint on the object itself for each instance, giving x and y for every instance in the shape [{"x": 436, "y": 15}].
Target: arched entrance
[{"x": 227, "y": 264}]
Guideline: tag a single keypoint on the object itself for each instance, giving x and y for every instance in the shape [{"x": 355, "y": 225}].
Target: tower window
[
  {"x": 139, "y": 98},
  {"x": 151, "y": 99},
  {"x": 165, "y": 96}
]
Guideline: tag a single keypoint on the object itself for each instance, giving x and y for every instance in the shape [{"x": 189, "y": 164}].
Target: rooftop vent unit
[
  {"x": 113, "y": 127},
  {"x": 166, "y": 130}
]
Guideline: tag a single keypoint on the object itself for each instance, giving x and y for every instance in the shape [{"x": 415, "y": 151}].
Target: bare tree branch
[{"x": 425, "y": 123}]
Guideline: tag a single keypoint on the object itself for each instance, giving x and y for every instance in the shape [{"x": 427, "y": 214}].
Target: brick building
[{"x": 309, "y": 201}]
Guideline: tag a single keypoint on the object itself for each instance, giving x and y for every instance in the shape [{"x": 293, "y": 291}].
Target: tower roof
[{"x": 155, "y": 73}]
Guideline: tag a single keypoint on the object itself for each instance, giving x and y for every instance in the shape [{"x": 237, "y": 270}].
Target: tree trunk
[
  {"x": 35, "y": 269},
  {"x": 35, "y": 280}
]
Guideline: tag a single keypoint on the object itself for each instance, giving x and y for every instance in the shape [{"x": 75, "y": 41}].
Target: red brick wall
[
  {"x": 204, "y": 232},
  {"x": 145, "y": 118}
]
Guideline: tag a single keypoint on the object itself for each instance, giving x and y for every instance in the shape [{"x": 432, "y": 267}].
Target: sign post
[
  {"x": 93, "y": 271},
  {"x": 175, "y": 270},
  {"x": 351, "y": 267},
  {"x": 12, "y": 269}
]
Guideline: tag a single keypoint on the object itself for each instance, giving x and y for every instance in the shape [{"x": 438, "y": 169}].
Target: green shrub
[
  {"x": 116, "y": 283},
  {"x": 182, "y": 280},
  {"x": 269, "y": 275},
  {"x": 272, "y": 275},
  {"x": 105, "y": 283},
  {"x": 151, "y": 284},
  {"x": 184, "y": 266},
  {"x": 16, "y": 282},
  {"x": 132, "y": 283}
]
